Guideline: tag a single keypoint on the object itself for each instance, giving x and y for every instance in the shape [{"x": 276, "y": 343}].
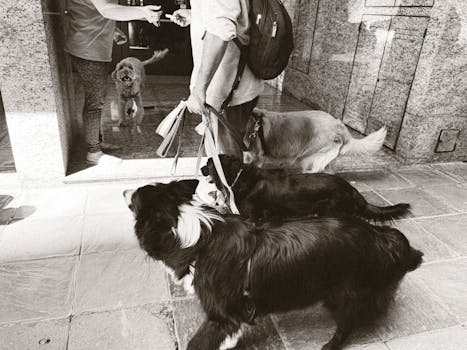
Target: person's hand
[
  {"x": 152, "y": 14},
  {"x": 182, "y": 17},
  {"x": 119, "y": 37},
  {"x": 196, "y": 103}
]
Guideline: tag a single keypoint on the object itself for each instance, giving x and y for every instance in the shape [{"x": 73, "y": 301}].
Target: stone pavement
[{"x": 73, "y": 277}]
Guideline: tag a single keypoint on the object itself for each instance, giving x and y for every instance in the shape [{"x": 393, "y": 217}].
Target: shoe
[
  {"x": 110, "y": 147},
  {"x": 100, "y": 158}
]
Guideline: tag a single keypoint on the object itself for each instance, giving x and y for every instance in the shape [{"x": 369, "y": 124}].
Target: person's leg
[
  {"x": 93, "y": 76},
  {"x": 238, "y": 117}
]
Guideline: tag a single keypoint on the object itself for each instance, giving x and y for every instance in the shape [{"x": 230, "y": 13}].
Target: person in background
[
  {"x": 214, "y": 25},
  {"x": 89, "y": 41}
]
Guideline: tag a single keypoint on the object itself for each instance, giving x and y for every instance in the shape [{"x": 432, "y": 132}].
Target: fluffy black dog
[
  {"x": 245, "y": 271},
  {"x": 272, "y": 194}
]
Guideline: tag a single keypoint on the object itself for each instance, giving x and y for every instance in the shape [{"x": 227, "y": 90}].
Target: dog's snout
[{"x": 127, "y": 196}]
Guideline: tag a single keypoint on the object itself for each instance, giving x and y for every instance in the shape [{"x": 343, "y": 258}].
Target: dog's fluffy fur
[
  {"x": 274, "y": 194},
  {"x": 129, "y": 76},
  {"x": 312, "y": 139},
  {"x": 350, "y": 265}
]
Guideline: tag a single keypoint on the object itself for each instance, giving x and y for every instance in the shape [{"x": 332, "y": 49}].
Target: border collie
[{"x": 245, "y": 271}]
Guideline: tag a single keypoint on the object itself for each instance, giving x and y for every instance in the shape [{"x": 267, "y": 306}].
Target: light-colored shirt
[
  {"x": 89, "y": 34},
  {"x": 226, "y": 19}
]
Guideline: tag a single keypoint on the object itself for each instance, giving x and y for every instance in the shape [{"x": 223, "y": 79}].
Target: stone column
[{"x": 31, "y": 69}]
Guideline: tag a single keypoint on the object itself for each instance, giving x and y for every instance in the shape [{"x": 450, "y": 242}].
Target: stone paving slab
[
  {"x": 415, "y": 310},
  {"x": 453, "y": 194},
  {"x": 447, "y": 282},
  {"x": 50, "y": 203},
  {"x": 50, "y": 335},
  {"x": 41, "y": 238},
  {"x": 432, "y": 248},
  {"x": 142, "y": 328},
  {"x": 454, "y": 338},
  {"x": 109, "y": 232},
  {"x": 189, "y": 316},
  {"x": 423, "y": 204},
  {"x": 423, "y": 175},
  {"x": 37, "y": 289},
  {"x": 375, "y": 199},
  {"x": 449, "y": 229},
  {"x": 113, "y": 280},
  {"x": 311, "y": 328},
  {"x": 378, "y": 180},
  {"x": 457, "y": 170},
  {"x": 106, "y": 199},
  {"x": 373, "y": 346}
]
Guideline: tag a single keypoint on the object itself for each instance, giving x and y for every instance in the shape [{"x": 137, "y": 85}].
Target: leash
[
  {"x": 211, "y": 151},
  {"x": 258, "y": 132}
]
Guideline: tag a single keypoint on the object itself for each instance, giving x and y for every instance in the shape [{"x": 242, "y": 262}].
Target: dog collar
[
  {"x": 250, "y": 307},
  {"x": 258, "y": 131}
]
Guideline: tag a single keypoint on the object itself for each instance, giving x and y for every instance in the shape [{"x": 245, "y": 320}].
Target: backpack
[
  {"x": 271, "y": 42},
  {"x": 271, "y": 38}
]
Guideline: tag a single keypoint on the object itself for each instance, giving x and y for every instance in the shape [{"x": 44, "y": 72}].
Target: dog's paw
[{"x": 231, "y": 341}]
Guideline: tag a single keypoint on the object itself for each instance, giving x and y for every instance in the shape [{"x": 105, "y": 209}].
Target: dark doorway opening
[{"x": 144, "y": 38}]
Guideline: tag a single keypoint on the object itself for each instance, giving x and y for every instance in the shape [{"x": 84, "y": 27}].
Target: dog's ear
[
  {"x": 186, "y": 188},
  {"x": 114, "y": 74},
  {"x": 257, "y": 113}
]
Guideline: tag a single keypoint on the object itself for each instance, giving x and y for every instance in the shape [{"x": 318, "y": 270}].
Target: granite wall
[
  {"x": 399, "y": 63},
  {"x": 36, "y": 108}
]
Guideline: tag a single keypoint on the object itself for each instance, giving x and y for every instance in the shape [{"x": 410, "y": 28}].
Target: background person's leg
[
  {"x": 93, "y": 76},
  {"x": 237, "y": 116}
]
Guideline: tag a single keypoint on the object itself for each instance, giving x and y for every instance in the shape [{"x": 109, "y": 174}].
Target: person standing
[
  {"x": 89, "y": 41},
  {"x": 214, "y": 26}
]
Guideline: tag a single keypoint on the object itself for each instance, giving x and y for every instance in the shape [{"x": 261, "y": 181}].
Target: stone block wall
[
  {"x": 398, "y": 63},
  {"x": 36, "y": 107}
]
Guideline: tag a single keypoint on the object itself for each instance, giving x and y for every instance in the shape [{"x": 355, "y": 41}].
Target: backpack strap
[{"x": 241, "y": 68}]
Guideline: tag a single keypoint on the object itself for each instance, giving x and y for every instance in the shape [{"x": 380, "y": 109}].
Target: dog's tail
[
  {"x": 391, "y": 212},
  {"x": 367, "y": 145},
  {"x": 157, "y": 56}
]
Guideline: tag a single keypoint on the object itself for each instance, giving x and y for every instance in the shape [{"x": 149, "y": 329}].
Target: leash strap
[
  {"x": 179, "y": 146},
  {"x": 168, "y": 128},
  {"x": 236, "y": 136},
  {"x": 211, "y": 151}
]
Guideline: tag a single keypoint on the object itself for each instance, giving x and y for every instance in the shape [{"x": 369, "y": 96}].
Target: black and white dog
[
  {"x": 271, "y": 194},
  {"x": 245, "y": 271}
]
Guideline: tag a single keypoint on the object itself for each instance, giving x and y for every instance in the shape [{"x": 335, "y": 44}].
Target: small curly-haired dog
[
  {"x": 275, "y": 194},
  {"x": 245, "y": 271},
  {"x": 129, "y": 77}
]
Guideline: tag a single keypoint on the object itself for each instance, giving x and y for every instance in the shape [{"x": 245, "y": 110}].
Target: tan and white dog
[
  {"x": 129, "y": 76},
  {"x": 312, "y": 139}
]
